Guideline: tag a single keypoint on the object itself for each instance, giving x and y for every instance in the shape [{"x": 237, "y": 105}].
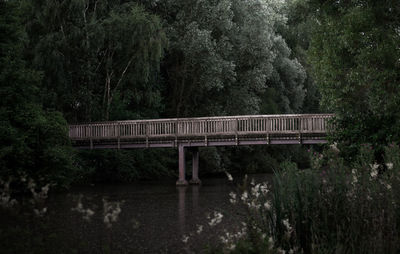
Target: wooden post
[
  {"x": 181, "y": 180},
  {"x": 91, "y": 137},
  {"x": 118, "y": 136},
  {"x": 147, "y": 134},
  {"x": 236, "y": 131},
  {"x": 176, "y": 134},
  {"x": 195, "y": 166}
]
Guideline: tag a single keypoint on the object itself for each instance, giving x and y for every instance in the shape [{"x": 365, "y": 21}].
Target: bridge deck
[{"x": 203, "y": 131}]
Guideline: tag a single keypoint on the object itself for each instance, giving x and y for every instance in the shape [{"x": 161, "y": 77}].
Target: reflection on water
[{"x": 153, "y": 217}]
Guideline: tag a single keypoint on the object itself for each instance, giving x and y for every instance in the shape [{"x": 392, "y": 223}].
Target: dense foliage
[
  {"x": 33, "y": 141},
  {"x": 100, "y": 59},
  {"x": 355, "y": 54}
]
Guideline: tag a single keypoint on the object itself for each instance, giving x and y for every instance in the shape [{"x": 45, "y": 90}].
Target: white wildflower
[
  {"x": 86, "y": 213},
  {"x": 231, "y": 246},
  {"x": 244, "y": 196},
  {"x": 5, "y": 195},
  {"x": 355, "y": 179},
  {"x": 185, "y": 238},
  {"x": 253, "y": 205},
  {"x": 39, "y": 212},
  {"x": 255, "y": 192},
  {"x": 334, "y": 147},
  {"x": 216, "y": 219},
  {"x": 270, "y": 243},
  {"x": 287, "y": 225},
  {"x": 267, "y": 205},
  {"x": 230, "y": 178},
  {"x": 264, "y": 188},
  {"x": 111, "y": 211},
  {"x": 232, "y": 198},
  {"x": 199, "y": 229},
  {"x": 224, "y": 239},
  {"x": 280, "y": 251},
  {"x": 374, "y": 173},
  {"x": 389, "y": 165}
]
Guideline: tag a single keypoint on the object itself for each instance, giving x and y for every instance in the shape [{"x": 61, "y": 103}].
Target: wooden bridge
[{"x": 201, "y": 132}]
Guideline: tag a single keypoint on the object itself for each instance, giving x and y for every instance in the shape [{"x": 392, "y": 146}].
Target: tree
[
  {"x": 99, "y": 57},
  {"x": 34, "y": 142},
  {"x": 355, "y": 53},
  {"x": 223, "y": 55}
]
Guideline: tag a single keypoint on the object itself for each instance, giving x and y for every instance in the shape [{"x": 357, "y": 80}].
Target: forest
[
  {"x": 77, "y": 61},
  {"x": 85, "y": 61},
  {"x": 66, "y": 62}
]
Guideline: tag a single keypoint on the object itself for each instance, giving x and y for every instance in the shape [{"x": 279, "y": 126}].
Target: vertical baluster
[
  {"x": 284, "y": 124},
  {"x": 269, "y": 121},
  {"x": 150, "y": 128},
  {"x": 322, "y": 123},
  {"x": 279, "y": 123},
  {"x": 264, "y": 125}
]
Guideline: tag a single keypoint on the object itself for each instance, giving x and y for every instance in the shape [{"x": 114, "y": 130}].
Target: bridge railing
[{"x": 180, "y": 127}]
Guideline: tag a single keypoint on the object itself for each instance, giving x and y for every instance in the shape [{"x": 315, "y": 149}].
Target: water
[{"x": 154, "y": 217}]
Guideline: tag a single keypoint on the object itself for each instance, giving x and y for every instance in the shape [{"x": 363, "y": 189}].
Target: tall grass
[{"x": 333, "y": 207}]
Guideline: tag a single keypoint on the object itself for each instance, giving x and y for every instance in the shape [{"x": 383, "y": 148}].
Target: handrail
[{"x": 200, "y": 126}]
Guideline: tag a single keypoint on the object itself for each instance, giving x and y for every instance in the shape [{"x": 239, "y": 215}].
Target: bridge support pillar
[
  {"x": 181, "y": 181},
  {"x": 195, "y": 166}
]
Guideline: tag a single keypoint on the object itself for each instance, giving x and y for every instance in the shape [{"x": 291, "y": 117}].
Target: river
[{"x": 154, "y": 217}]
